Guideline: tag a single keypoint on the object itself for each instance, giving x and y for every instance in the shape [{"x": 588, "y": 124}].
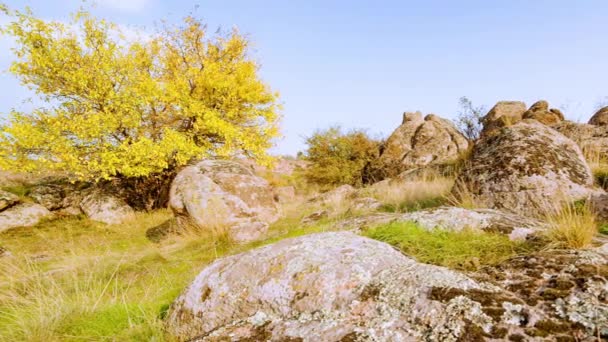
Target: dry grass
[
  {"x": 409, "y": 195},
  {"x": 571, "y": 225},
  {"x": 462, "y": 196},
  {"x": 77, "y": 280}
]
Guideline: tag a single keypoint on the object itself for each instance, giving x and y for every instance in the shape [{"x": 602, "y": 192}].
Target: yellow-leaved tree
[{"x": 130, "y": 107}]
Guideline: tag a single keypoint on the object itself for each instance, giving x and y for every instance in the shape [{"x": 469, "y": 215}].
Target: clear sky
[{"x": 360, "y": 64}]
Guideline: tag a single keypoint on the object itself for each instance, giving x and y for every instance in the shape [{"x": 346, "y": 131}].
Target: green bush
[{"x": 338, "y": 158}]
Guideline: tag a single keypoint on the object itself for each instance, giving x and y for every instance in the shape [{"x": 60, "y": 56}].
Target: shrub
[
  {"x": 469, "y": 118},
  {"x": 338, "y": 158}
]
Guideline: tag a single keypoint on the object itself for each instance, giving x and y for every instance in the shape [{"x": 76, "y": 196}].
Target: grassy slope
[{"x": 76, "y": 280}]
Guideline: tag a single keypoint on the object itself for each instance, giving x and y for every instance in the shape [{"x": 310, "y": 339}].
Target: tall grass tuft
[{"x": 571, "y": 225}]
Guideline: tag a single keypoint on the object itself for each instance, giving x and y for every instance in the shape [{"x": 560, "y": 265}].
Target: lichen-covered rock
[
  {"x": 452, "y": 219},
  {"x": 527, "y": 168},
  {"x": 489, "y": 220},
  {"x": 23, "y": 215},
  {"x": 314, "y": 217},
  {"x": 48, "y": 195},
  {"x": 599, "y": 204},
  {"x": 365, "y": 204},
  {"x": 418, "y": 142},
  {"x": 102, "y": 207},
  {"x": 593, "y": 140},
  {"x": 285, "y": 194},
  {"x": 600, "y": 118},
  {"x": 221, "y": 194},
  {"x": 540, "y": 112},
  {"x": 564, "y": 294},
  {"x": 503, "y": 114},
  {"x": 336, "y": 196},
  {"x": 7, "y": 199},
  {"x": 326, "y": 287}
]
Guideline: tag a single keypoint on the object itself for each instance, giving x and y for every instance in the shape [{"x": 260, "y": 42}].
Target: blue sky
[{"x": 360, "y": 64}]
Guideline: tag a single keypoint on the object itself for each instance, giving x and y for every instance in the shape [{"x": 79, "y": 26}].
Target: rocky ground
[{"x": 497, "y": 239}]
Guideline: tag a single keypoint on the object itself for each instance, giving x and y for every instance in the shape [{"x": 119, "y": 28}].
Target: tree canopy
[{"x": 117, "y": 106}]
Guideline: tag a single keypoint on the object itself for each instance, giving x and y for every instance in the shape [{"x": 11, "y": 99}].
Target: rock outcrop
[
  {"x": 503, "y": 114},
  {"x": 600, "y": 118},
  {"x": 418, "y": 142},
  {"x": 7, "y": 199},
  {"x": 221, "y": 194},
  {"x": 102, "y": 207},
  {"x": 325, "y": 287},
  {"x": 540, "y": 112},
  {"x": 593, "y": 140},
  {"x": 343, "y": 287},
  {"x": 526, "y": 168},
  {"x": 23, "y": 215},
  {"x": 452, "y": 219}
]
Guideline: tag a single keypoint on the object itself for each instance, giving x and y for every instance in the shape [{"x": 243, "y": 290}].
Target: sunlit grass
[
  {"x": 77, "y": 280},
  {"x": 462, "y": 250}
]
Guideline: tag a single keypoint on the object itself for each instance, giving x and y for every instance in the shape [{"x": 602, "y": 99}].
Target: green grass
[
  {"x": 603, "y": 229},
  {"x": 77, "y": 280},
  {"x": 464, "y": 250},
  {"x": 405, "y": 207}
]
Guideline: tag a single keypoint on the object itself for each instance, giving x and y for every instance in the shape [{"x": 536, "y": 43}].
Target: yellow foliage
[{"x": 118, "y": 107}]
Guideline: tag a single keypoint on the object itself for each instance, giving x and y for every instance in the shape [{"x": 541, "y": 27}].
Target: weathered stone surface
[
  {"x": 365, "y": 204},
  {"x": 221, "y": 194},
  {"x": 593, "y": 140},
  {"x": 564, "y": 294},
  {"x": 599, "y": 204},
  {"x": 419, "y": 142},
  {"x": 314, "y": 217},
  {"x": 600, "y": 118},
  {"x": 540, "y": 112},
  {"x": 103, "y": 207},
  {"x": 48, "y": 195},
  {"x": 526, "y": 168},
  {"x": 342, "y": 287},
  {"x": 452, "y": 219},
  {"x": 285, "y": 194},
  {"x": 324, "y": 287},
  {"x": 23, "y": 215},
  {"x": 336, "y": 196},
  {"x": 503, "y": 114},
  {"x": 489, "y": 220},
  {"x": 7, "y": 199}
]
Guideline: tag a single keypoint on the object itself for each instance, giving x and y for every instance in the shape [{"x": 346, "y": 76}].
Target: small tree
[
  {"x": 469, "y": 118},
  {"x": 118, "y": 108},
  {"x": 338, "y": 158}
]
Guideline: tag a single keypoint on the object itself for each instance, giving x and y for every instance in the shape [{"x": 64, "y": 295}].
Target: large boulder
[
  {"x": 325, "y": 287},
  {"x": 540, "y": 112},
  {"x": 503, "y": 114},
  {"x": 226, "y": 195},
  {"x": 103, "y": 207},
  {"x": 600, "y": 118},
  {"x": 418, "y": 141},
  {"x": 23, "y": 215},
  {"x": 526, "y": 168},
  {"x": 7, "y": 199},
  {"x": 343, "y": 287}
]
